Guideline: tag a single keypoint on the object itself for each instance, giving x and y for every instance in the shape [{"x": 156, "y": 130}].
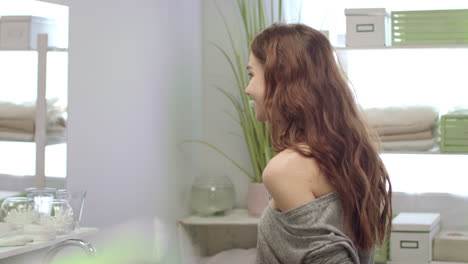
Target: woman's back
[
  {"x": 305, "y": 181},
  {"x": 310, "y": 233},
  {"x": 298, "y": 231}
]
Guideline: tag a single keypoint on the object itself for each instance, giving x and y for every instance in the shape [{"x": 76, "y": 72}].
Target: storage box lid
[
  {"x": 415, "y": 222},
  {"x": 365, "y": 12}
]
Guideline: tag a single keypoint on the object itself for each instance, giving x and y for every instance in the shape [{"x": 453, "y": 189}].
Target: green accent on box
[
  {"x": 382, "y": 252},
  {"x": 425, "y": 13},
  {"x": 454, "y": 133},
  {"x": 429, "y": 27}
]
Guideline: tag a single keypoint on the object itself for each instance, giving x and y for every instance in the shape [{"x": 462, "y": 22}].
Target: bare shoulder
[
  {"x": 290, "y": 179},
  {"x": 291, "y": 164}
]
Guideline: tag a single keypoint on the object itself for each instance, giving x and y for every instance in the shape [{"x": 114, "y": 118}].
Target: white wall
[
  {"x": 219, "y": 128},
  {"x": 134, "y": 69}
]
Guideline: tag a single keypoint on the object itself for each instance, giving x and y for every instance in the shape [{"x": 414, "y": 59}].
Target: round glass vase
[
  {"x": 60, "y": 217},
  {"x": 212, "y": 195},
  {"x": 18, "y": 212}
]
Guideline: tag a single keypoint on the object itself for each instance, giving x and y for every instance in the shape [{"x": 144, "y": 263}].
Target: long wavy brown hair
[{"x": 308, "y": 101}]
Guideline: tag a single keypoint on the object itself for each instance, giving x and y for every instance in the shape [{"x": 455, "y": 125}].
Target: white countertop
[{"x": 6, "y": 252}]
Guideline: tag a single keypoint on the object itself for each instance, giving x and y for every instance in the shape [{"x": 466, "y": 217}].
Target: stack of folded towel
[
  {"x": 408, "y": 128},
  {"x": 17, "y": 121}
]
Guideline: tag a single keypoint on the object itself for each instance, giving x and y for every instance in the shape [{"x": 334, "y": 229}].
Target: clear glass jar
[
  {"x": 60, "y": 218},
  {"x": 76, "y": 198},
  {"x": 212, "y": 195},
  {"x": 42, "y": 199},
  {"x": 18, "y": 211}
]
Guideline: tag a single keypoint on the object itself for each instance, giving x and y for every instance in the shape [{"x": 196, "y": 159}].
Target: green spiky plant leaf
[{"x": 255, "y": 17}]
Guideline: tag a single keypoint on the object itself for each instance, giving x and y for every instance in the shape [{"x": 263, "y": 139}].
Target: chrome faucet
[{"x": 52, "y": 252}]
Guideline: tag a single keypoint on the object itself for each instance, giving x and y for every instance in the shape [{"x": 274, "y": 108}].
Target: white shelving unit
[
  {"x": 41, "y": 110},
  {"x": 40, "y": 132},
  {"x": 342, "y": 54}
]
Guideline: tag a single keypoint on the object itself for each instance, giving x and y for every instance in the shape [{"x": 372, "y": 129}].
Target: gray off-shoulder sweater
[{"x": 310, "y": 233}]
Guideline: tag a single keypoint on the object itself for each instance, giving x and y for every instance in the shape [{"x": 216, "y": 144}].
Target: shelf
[
  {"x": 49, "y": 49},
  {"x": 234, "y": 217},
  {"x": 58, "y": 2},
  {"x": 50, "y": 141},
  {"x": 423, "y": 152},
  {"x": 6, "y": 252},
  {"x": 433, "y": 151},
  {"x": 461, "y": 46}
]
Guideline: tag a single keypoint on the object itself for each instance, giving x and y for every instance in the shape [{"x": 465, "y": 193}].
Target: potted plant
[{"x": 255, "y": 16}]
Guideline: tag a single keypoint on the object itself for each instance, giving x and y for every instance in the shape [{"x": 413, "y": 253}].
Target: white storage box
[
  {"x": 366, "y": 27},
  {"x": 411, "y": 237},
  {"x": 20, "y": 32},
  {"x": 451, "y": 246}
]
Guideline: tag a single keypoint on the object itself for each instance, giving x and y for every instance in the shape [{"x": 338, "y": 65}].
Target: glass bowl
[
  {"x": 18, "y": 211},
  {"x": 60, "y": 217},
  {"x": 76, "y": 198},
  {"x": 42, "y": 199},
  {"x": 212, "y": 195}
]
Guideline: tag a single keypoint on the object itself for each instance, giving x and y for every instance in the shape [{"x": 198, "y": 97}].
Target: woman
[{"x": 330, "y": 192}]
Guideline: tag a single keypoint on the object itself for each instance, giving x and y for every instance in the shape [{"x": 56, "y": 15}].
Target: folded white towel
[
  {"x": 26, "y": 110},
  {"x": 401, "y": 116},
  {"x": 54, "y": 137},
  {"x": 50, "y": 130},
  {"x": 408, "y": 136},
  {"x": 27, "y": 125},
  {"x": 407, "y": 129},
  {"x": 414, "y": 145}
]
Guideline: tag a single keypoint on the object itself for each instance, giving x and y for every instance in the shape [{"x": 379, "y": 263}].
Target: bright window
[{"x": 395, "y": 77}]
